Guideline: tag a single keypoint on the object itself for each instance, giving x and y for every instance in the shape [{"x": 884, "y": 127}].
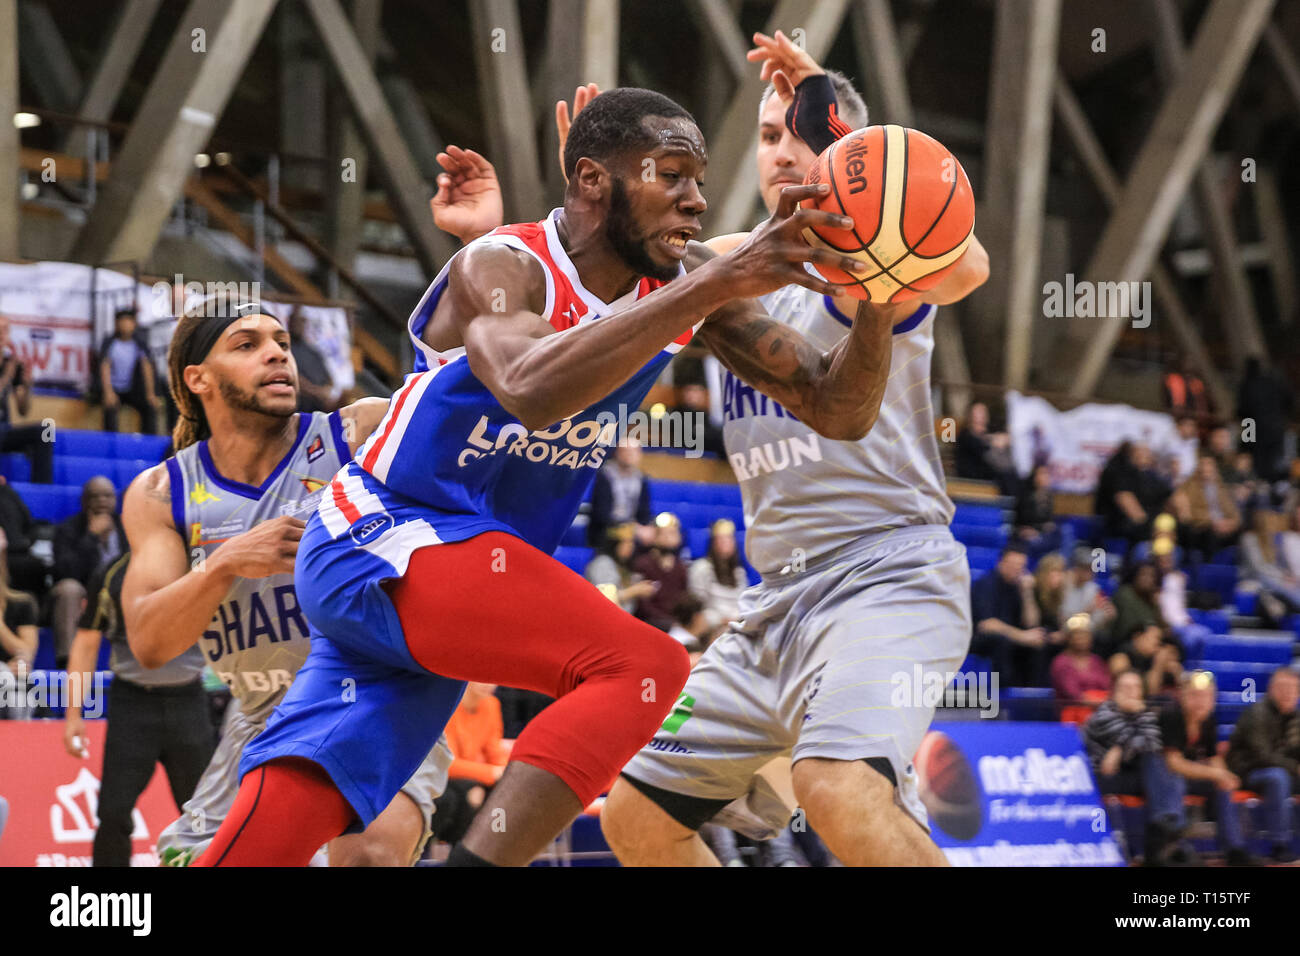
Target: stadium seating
[{"x": 79, "y": 456}]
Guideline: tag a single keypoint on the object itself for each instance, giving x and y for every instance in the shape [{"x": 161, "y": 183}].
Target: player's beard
[
  {"x": 627, "y": 244},
  {"x": 239, "y": 400}
]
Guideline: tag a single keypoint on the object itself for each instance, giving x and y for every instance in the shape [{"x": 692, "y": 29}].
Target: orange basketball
[{"x": 911, "y": 205}]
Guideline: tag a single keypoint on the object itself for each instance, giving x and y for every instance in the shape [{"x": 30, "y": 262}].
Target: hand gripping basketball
[
  {"x": 774, "y": 254},
  {"x": 912, "y": 205}
]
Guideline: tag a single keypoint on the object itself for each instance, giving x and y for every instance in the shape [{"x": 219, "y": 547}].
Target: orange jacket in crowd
[{"x": 475, "y": 740}]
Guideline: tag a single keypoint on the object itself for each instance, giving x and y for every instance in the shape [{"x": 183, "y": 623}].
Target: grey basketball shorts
[
  {"x": 811, "y": 669},
  {"x": 204, "y": 813}
]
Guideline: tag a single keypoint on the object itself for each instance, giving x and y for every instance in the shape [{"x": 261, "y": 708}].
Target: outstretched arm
[
  {"x": 541, "y": 377},
  {"x": 835, "y": 393}
]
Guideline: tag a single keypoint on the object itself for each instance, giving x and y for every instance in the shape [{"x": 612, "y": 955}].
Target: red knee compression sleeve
[
  {"x": 497, "y": 610},
  {"x": 284, "y": 812}
]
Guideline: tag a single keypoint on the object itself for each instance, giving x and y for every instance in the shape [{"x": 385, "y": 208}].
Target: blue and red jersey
[{"x": 446, "y": 443}]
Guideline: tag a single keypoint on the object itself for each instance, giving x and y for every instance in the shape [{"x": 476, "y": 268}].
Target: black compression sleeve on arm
[{"x": 814, "y": 115}]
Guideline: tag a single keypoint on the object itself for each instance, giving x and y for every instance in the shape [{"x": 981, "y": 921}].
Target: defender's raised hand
[
  {"x": 563, "y": 120},
  {"x": 468, "y": 202}
]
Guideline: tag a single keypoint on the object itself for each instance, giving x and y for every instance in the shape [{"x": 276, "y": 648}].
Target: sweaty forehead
[{"x": 677, "y": 135}]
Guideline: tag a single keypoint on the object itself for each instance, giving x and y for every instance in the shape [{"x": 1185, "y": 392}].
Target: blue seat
[
  {"x": 984, "y": 536},
  {"x": 49, "y": 502},
  {"x": 1028, "y": 703},
  {"x": 982, "y": 559},
  {"x": 1221, "y": 578},
  {"x": 85, "y": 444},
  {"x": 1084, "y": 527},
  {"x": 1228, "y": 707},
  {"x": 147, "y": 448},
  {"x": 575, "y": 559},
  {"x": 78, "y": 469},
  {"x": 15, "y": 466},
  {"x": 989, "y": 516},
  {"x": 1217, "y": 621},
  {"x": 670, "y": 492},
  {"x": 1258, "y": 650},
  {"x": 1233, "y": 675},
  {"x": 45, "y": 659}
]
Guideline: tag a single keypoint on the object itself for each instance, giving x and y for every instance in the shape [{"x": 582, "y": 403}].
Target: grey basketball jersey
[
  {"x": 258, "y": 638},
  {"x": 805, "y": 495}
]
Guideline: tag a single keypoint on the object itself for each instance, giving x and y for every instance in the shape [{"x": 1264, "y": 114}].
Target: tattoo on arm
[
  {"x": 158, "y": 487},
  {"x": 766, "y": 353}
]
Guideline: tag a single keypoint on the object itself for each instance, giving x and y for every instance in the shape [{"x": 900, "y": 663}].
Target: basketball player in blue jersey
[
  {"x": 428, "y": 562},
  {"x": 861, "y": 576},
  {"x": 216, "y": 529}
]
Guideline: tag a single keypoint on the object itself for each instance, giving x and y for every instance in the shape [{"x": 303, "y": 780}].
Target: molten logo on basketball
[
  {"x": 948, "y": 786},
  {"x": 912, "y": 208},
  {"x": 855, "y": 166}
]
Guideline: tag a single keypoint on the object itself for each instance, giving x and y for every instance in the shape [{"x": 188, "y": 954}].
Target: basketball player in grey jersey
[
  {"x": 215, "y": 530},
  {"x": 861, "y": 580}
]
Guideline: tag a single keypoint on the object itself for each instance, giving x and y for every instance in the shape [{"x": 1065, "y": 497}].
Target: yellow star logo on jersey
[
  {"x": 313, "y": 484},
  {"x": 201, "y": 494}
]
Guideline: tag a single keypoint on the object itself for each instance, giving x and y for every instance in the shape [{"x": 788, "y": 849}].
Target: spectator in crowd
[
  {"x": 1137, "y": 600},
  {"x": 1076, "y": 671},
  {"x": 1248, "y": 490},
  {"x": 690, "y": 627},
  {"x": 1186, "y": 450},
  {"x": 611, "y": 570},
  {"x": 1185, "y": 393},
  {"x": 1006, "y": 621},
  {"x": 316, "y": 391},
  {"x": 1130, "y": 492},
  {"x": 92, "y": 537},
  {"x": 621, "y": 494},
  {"x": 718, "y": 578},
  {"x": 1208, "y": 518},
  {"x": 663, "y": 565},
  {"x": 1121, "y": 736},
  {"x": 1083, "y": 595},
  {"x": 154, "y": 716},
  {"x": 983, "y": 455},
  {"x": 1265, "y": 549},
  {"x": 18, "y": 640},
  {"x": 1289, "y": 540},
  {"x": 1036, "y": 513},
  {"x": 1049, "y": 595},
  {"x": 31, "y": 440},
  {"x": 1147, "y": 652},
  {"x": 1266, "y": 399},
  {"x": 474, "y": 734},
  {"x": 26, "y": 570},
  {"x": 1189, "y": 734},
  {"x": 1264, "y": 752},
  {"x": 1219, "y": 443},
  {"x": 692, "y": 402},
  {"x": 127, "y": 376},
  {"x": 1172, "y": 598}
]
